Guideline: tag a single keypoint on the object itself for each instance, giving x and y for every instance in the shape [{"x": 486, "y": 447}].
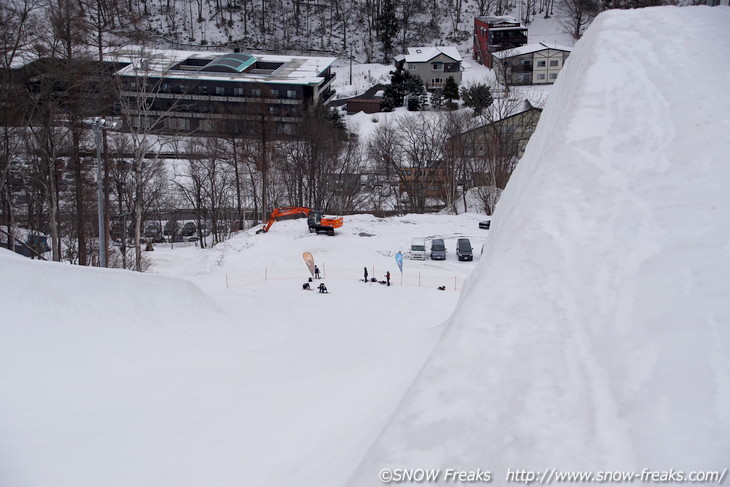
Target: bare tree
[
  {"x": 495, "y": 147},
  {"x": 143, "y": 120},
  {"x": 576, "y": 15}
]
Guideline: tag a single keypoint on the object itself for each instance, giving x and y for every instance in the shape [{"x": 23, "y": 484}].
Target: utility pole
[{"x": 99, "y": 124}]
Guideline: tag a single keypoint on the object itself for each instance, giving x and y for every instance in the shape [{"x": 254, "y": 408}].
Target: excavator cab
[{"x": 314, "y": 219}]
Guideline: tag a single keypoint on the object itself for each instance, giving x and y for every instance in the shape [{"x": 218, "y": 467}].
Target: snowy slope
[
  {"x": 111, "y": 378},
  {"x": 594, "y": 333}
]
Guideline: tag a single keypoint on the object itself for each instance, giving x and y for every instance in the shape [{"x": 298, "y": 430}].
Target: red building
[{"x": 496, "y": 33}]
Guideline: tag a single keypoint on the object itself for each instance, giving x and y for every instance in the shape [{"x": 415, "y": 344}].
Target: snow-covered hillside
[
  {"x": 591, "y": 334},
  {"x": 594, "y": 334},
  {"x": 224, "y": 372}
]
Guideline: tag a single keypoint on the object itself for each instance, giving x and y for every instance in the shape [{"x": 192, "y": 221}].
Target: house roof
[
  {"x": 520, "y": 109},
  {"x": 425, "y": 54},
  {"x": 499, "y": 29},
  {"x": 528, "y": 49},
  {"x": 498, "y": 19}
]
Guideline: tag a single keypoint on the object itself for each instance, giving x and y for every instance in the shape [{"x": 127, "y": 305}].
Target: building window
[
  {"x": 182, "y": 88},
  {"x": 291, "y": 94},
  {"x": 165, "y": 88},
  {"x": 205, "y": 125},
  {"x": 238, "y": 91},
  {"x": 178, "y": 123},
  {"x": 219, "y": 90},
  {"x": 554, "y": 62},
  {"x": 436, "y": 81},
  {"x": 541, "y": 76},
  {"x": 541, "y": 64},
  {"x": 256, "y": 92},
  {"x": 438, "y": 66},
  {"x": 274, "y": 93},
  {"x": 273, "y": 110},
  {"x": 202, "y": 90},
  {"x": 553, "y": 75}
]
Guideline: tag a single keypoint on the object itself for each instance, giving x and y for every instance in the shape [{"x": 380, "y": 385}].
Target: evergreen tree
[
  {"x": 388, "y": 28},
  {"x": 396, "y": 90},
  {"x": 478, "y": 97},
  {"x": 451, "y": 92},
  {"x": 414, "y": 88},
  {"x": 437, "y": 98}
]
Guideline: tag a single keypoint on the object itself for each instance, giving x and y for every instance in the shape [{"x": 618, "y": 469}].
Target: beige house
[
  {"x": 533, "y": 64},
  {"x": 433, "y": 64},
  {"x": 495, "y": 148}
]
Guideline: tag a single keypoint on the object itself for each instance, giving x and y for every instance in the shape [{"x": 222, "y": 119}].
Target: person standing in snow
[
  {"x": 316, "y": 272},
  {"x": 366, "y": 274},
  {"x": 387, "y": 277}
]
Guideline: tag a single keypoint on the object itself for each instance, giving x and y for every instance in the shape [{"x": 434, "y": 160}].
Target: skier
[
  {"x": 316, "y": 272},
  {"x": 366, "y": 274},
  {"x": 387, "y": 277}
]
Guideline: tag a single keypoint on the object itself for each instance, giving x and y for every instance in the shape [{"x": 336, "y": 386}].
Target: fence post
[
  {"x": 454, "y": 283},
  {"x": 419, "y": 278},
  {"x": 226, "y": 281},
  {"x": 266, "y": 273}
]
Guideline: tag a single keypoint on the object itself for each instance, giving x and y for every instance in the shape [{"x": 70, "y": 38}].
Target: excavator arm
[{"x": 289, "y": 210}]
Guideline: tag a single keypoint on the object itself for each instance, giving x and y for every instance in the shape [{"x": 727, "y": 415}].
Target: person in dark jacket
[
  {"x": 322, "y": 288},
  {"x": 387, "y": 277},
  {"x": 366, "y": 274},
  {"x": 316, "y": 272}
]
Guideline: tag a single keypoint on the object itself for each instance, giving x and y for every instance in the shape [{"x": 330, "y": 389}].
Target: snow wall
[{"x": 594, "y": 334}]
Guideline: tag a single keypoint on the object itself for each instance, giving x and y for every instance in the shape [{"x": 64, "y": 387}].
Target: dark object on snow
[
  {"x": 188, "y": 229},
  {"x": 322, "y": 288},
  {"x": 366, "y": 274},
  {"x": 309, "y": 280},
  {"x": 306, "y": 287},
  {"x": 316, "y": 272},
  {"x": 148, "y": 247},
  {"x": 463, "y": 249},
  {"x": 387, "y": 277},
  {"x": 382, "y": 282},
  {"x": 485, "y": 224},
  {"x": 442, "y": 288}
]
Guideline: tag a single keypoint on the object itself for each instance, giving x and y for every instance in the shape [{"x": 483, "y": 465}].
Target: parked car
[
  {"x": 418, "y": 248},
  {"x": 438, "y": 249},
  {"x": 153, "y": 231},
  {"x": 485, "y": 224},
  {"x": 171, "y": 227},
  {"x": 188, "y": 229},
  {"x": 463, "y": 249}
]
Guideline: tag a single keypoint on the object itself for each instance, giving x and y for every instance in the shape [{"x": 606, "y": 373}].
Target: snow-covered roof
[
  {"x": 494, "y": 19},
  {"x": 300, "y": 70},
  {"x": 501, "y": 29},
  {"x": 425, "y": 54},
  {"x": 528, "y": 49}
]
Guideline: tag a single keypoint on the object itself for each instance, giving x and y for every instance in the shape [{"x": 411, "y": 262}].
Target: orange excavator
[{"x": 317, "y": 221}]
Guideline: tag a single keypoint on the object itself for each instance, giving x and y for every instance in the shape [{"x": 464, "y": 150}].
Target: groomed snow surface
[
  {"x": 224, "y": 372},
  {"x": 592, "y": 334}
]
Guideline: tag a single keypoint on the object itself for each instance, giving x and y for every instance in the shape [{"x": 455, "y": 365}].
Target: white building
[
  {"x": 433, "y": 64},
  {"x": 533, "y": 64}
]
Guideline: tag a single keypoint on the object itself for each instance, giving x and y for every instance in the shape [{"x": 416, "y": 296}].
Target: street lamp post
[{"x": 99, "y": 124}]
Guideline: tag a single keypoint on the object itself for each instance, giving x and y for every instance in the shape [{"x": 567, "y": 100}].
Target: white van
[{"x": 418, "y": 248}]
